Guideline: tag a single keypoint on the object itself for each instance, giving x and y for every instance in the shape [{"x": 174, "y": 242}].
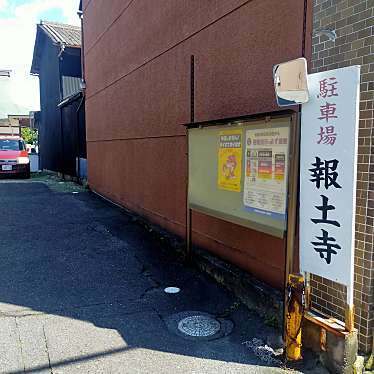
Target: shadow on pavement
[
  {"x": 82, "y": 288},
  {"x": 73, "y": 361}
]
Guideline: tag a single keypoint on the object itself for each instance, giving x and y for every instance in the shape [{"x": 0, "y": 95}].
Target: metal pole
[
  {"x": 293, "y": 194},
  {"x": 188, "y": 214},
  {"x": 78, "y": 138},
  {"x": 293, "y": 348},
  {"x": 62, "y": 48},
  {"x": 82, "y": 48},
  {"x": 192, "y": 112}
]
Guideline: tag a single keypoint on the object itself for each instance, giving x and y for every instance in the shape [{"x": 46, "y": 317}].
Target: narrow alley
[{"x": 82, "y": 291}]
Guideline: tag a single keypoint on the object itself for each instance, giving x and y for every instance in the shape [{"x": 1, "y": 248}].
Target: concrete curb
[{"x": 256, "y": 295}]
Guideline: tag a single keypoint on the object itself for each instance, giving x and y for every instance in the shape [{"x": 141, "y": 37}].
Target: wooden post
[
  {"x": 349, "y": 318},
  {"x": 349, "y": 309}
]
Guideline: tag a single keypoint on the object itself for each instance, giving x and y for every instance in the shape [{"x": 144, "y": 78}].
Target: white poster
[
  {"x": 329, "y": 128},
  {"x": 266, "y": 170}
]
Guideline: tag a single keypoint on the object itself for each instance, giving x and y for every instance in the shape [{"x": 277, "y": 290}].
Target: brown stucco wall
[{"x": 137, "y": 56}]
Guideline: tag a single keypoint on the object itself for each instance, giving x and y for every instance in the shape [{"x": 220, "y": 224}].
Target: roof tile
[{"x": 62, "y": 33}]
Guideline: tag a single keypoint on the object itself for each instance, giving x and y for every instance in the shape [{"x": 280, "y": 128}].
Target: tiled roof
[
  {"x": 58, "y": 33},
  {"x": 62, "y": 33}
]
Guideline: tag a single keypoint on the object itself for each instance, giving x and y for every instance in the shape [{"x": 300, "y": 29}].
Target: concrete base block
[
  {"x": 369, "y": 366},
  {"x": 359, "y": 365},
  {"x": 256, "y": 295},
  {"x": 340, "y": 352}
]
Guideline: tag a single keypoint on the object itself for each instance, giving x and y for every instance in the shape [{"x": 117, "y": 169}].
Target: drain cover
[
  {"x": 196, "y": 325},
  {"x": 200, "y": 325}
]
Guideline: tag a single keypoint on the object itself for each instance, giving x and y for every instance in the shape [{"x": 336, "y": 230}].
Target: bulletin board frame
[{"x": 207, "y": 194}]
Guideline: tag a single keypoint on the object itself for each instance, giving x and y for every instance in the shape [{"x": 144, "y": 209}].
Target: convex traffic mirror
[{"x": 291, "y": 82}]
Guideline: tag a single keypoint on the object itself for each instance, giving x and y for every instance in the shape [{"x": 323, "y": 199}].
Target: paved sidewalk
[{"x": 82, "y": 291}]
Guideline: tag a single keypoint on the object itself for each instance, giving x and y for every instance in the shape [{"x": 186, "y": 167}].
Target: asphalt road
[{"x": 82, "y": 291}]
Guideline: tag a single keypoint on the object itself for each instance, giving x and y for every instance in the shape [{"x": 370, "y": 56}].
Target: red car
[{"x": 14, "y": 159}]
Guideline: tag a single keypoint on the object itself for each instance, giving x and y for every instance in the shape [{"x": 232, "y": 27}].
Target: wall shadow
[{"x": 79, "y": 259}]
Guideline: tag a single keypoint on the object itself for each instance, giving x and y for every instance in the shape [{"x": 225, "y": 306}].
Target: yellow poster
[{"x": 230, "y": 160}]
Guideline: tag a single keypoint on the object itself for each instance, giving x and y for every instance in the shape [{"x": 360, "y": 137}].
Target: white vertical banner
[{"x": 328, "y": 168}]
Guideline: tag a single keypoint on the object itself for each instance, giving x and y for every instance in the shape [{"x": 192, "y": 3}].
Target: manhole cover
[{"x": 199, "y": 326}]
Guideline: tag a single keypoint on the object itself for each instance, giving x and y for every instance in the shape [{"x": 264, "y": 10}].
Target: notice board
[{"x": 238, "y": 172}]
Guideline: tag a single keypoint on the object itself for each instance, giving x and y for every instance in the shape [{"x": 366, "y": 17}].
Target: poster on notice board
[
  {"x": 230, "y": 160},
  {"x": 266, "y": 164}
]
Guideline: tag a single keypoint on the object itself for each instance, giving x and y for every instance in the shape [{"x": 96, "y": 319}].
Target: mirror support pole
[
  {"x": 293, "y": 192},
  {"x": 293, "y": 283}
]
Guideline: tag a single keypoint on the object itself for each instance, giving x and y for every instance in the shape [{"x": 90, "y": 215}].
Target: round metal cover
[{"x": 199, "y": 325}]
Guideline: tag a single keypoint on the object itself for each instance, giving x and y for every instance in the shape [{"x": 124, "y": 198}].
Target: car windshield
[{"x": 11, "y": 145}]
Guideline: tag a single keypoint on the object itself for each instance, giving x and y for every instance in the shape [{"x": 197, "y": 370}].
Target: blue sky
[
  {"x": 18, "y": 19},
  {"x": 52, "y": 14}
]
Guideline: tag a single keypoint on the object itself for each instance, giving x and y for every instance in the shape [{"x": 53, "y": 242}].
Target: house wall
[
  {"x": 58, "y": 140},
  {"x": 50, "y": 123},
  {"x": 71, "y": 71},
  {"x": 137, "y": 60},
  {"x": 73, "y": 126},
  {"x": 74, "y": 135},
  {"x": 10, "y": 130},
  {"x": 353, "y": 22}
]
